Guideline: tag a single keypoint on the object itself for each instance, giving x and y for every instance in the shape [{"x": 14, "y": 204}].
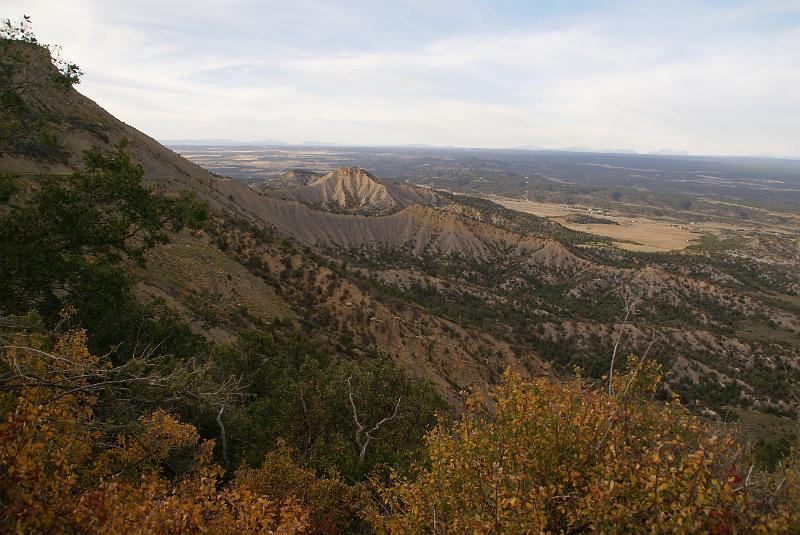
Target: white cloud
[{"x": 649, "y": 75}]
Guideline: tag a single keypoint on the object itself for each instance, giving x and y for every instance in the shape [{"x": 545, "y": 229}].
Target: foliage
[
  {"x": 120, "y": 393},
  {"x": 64, "y": 243},
  {"x": 331, "y": 503},
  {"x": 203, "y": 307},
  {"x": 300, "y": 396},
  {"x": 69, "y": 73},
  {"x": 61, "y": 472},
  {"x": 565, "y": 458}
]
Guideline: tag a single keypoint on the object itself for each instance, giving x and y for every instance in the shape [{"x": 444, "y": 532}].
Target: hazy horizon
[
  {"x": 705, "y": 78},
  {"x": 227, "y": 142}
]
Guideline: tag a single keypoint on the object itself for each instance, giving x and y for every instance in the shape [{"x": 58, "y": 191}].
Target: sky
[{"x": 705, "y": 77}]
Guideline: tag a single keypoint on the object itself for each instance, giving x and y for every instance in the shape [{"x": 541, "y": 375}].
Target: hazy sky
[{"x": 713, "y": 77}]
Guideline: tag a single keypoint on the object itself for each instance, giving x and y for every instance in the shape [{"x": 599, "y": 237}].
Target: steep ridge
[
  {"x": 79, "y": 123},
  {"x": 412, "y": 222},
  {"x": 553, "y": 255},
  {"x": 417, "y": 228},
  {"x": 84, "y": 124},
  {"x": 355, "y": 191}
]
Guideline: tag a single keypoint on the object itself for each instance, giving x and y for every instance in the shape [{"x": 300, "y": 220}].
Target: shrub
[
  {"x": 562, "y": 458},
  {"x": 63, "y": 471}
]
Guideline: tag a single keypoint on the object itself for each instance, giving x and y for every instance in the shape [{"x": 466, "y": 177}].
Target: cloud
[{"x": 701, "y": 77}]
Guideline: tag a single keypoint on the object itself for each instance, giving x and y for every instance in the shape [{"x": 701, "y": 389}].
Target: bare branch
[
  {"x": 223, "y": 441},
  {"x": 641, "y": 363},
  {"x": 362, "y": 437},
  {"x": 629, "y": 304}
]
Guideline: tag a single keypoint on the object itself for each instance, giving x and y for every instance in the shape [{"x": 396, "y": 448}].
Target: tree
[
  {"x": 364, "y": 436},
  {"x": 630, "y": 302},
  {"x": 300, "y": 396},
  {"x": 333, "y": 506},
  {"x": 64, "y": 243}
]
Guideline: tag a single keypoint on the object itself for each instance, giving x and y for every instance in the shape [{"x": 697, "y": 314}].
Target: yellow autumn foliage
[
  {"x": 543, "y": 457},
  {"x": 61, "y": 472},
  {"x": 569, "y": 458},
  {"x": 331, "y": 503}
]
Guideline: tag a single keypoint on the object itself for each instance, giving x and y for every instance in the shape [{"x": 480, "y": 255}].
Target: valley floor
[{"x": 630, "y": 233}]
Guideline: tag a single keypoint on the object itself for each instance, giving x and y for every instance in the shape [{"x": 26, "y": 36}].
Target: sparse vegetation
[{"x": 26, "y": 129}]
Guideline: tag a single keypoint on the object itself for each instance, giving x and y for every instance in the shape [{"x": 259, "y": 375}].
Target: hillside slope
[
  {"x": 456, "y": 288},
  {"x": 418, "y": 228},
  {"x": 293, "y": 178},
  {"x": 79, "y": 123},
  {"x": 247, "y": 262}
]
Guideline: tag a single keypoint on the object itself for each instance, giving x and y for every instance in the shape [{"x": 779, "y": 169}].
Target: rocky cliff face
[{"x": 352, "y": 190}]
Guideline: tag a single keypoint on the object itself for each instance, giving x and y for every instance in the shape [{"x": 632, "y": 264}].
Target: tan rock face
[{"x": 351, "y": 190}]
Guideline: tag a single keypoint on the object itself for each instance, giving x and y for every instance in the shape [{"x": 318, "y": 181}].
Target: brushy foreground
[
  {"x": 541, "y": 457},
  {"x": 62, "y": 472},
  {"x": 567, "y": 458}
]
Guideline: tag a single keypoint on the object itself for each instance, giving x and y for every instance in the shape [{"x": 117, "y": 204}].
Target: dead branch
[
  {"x": 362, "y": 436},
  {"x": 223, "y": 441},
  {"x": 639, "y": 366},
  {"x": 629, "y": 304}
]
